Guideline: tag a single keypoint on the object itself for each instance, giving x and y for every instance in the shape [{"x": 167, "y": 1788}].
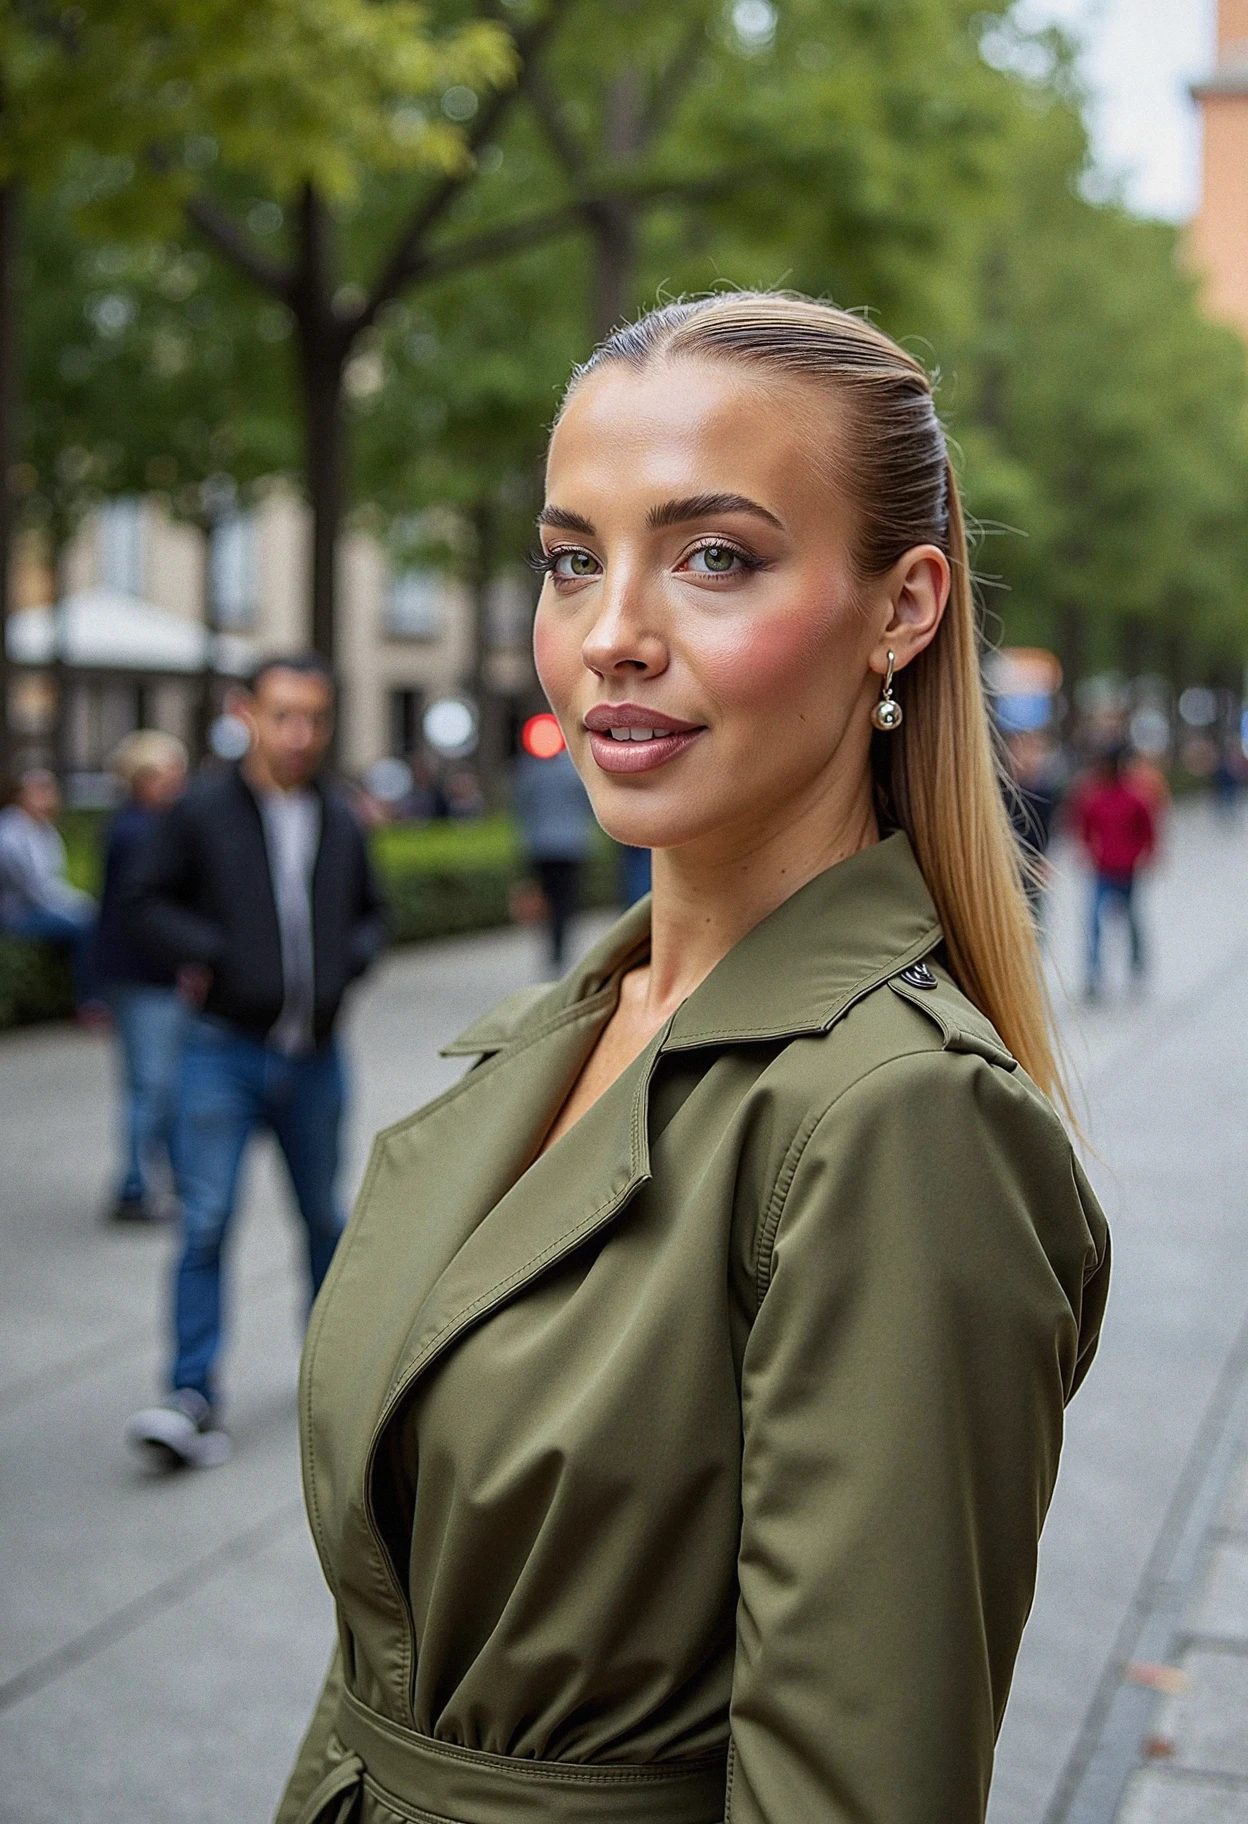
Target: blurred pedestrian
[
  {"x": 1036, "y": 775},
  {"x": 634, "y": 873},
  {"x": 1226, "y": 781},
  {"x": 1117, "y": 827},
  {"x": 257, "y": 885},
  {"x": 149, "y": 1015},
  {"x": 557, "y": 827},
  {"x": 36, "y": 899}
]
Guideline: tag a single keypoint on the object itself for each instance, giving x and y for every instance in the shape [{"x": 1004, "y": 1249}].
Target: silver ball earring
[{"x": 887, "y": 714}]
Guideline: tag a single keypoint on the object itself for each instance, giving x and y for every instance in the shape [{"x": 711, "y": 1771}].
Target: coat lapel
[{"x": 453, "y": 1220}]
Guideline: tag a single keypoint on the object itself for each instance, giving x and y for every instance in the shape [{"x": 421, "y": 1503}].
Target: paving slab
[
  {"x": 161, "y": 1639},
  {"x": 1164, "y": 1797}
]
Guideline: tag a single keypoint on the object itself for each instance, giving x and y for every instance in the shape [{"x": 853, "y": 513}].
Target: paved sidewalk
[
  {"x": 1194, "y": 1769},
  {"x": 161, "y": 1640}
]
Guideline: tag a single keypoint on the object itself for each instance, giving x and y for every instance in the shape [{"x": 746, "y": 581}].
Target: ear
[{"x": 915, "y": 595}]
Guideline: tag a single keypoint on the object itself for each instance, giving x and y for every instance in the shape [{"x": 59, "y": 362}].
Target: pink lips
[{"x": 669, "y": 737}]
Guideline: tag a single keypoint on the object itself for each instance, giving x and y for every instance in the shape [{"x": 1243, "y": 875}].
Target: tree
[
  {"x": 613, "y": 116},
  {"x": 132, "y": 98},
  {"x": 147, "y": 370},
  {"x": 1099, "y": 413}
]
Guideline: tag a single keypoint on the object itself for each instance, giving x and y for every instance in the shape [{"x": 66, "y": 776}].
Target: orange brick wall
[
  {"x": 1217, "y": 245},
  {"x": 1232, "y": 21}
]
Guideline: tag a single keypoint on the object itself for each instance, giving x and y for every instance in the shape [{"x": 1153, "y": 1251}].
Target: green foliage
[
  {"x": 1101, "y": 417},
  {"x": 923, "y": 159},
  {"x": 147, "y": 368},
  {"x": 145, "y": 95},
  {"x": 34, "y": 983}
]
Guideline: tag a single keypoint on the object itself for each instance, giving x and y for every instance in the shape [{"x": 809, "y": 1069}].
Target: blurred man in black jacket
[{"x": 258, "y": 890}]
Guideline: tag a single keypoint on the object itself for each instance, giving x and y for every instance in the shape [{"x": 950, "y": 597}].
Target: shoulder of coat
[
  {"x": 499, "y": 1026},
  {"x": 929, "y": 988},
  {"x": 907, "y": 1014}
]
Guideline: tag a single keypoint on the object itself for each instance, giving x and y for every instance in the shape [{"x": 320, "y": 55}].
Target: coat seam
[{"x": 795, "y": 1154}]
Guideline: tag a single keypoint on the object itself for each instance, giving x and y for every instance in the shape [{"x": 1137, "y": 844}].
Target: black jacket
[
  {"x": 116, "y": 958},
  {"x": 201, "y": 892}
]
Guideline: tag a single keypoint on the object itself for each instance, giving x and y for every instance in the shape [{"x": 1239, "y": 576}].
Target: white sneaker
[{"x": 180, "y": 1434}]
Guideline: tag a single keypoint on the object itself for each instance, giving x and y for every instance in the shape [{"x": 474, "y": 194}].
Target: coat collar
[{"x": 835, "y": 939}]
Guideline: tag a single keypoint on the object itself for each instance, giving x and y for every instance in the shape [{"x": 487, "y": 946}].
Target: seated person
[{"x": 36, "y": 900}]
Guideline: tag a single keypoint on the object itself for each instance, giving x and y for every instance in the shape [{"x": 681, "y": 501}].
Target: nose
[{"x": 626, "y": 639}]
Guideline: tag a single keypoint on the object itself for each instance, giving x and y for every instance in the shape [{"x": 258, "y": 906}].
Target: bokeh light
[{"x": 542, "y": 737}]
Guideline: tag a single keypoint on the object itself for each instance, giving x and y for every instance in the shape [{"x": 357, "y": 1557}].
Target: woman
[
  {"x": 684, "y": 1402},
  {"x": 149, "y": 1015}
]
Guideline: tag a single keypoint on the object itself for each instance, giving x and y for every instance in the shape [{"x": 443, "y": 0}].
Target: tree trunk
[
  {"x": 62, "y": 680},
  {"x": 8, "y": 422},
  {"x": 614, "y": 222},
  {"x": 322, "y": 352},
  {"x": 1070, "y": 637},
  {"x": 491, "y": 716},
  {"x": 615, "y": 256},
  {"x": 1134, "y": 644},
  {"x": 205, "y": 703}
]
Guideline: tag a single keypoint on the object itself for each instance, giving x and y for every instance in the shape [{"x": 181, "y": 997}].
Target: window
[
  {"x": 232, "y": 556},
  {"x": 405, "y": 711},
  {"x": 121, "y": 545},
  {"x": 414, "y": 605}
]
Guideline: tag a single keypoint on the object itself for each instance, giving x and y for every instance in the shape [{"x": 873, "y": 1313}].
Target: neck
[
  {"x": 706, "y": 897},
  {"x": 260, "y": 777}
]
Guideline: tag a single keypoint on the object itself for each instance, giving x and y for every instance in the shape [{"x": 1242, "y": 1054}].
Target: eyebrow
[
  {"x": 705, "y": 506},
  {"x": 565, "y": 521},
  {"x": 670, "y": 513}
]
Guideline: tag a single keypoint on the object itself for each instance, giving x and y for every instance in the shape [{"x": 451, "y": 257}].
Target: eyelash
[{"x": 544, "y": 561}]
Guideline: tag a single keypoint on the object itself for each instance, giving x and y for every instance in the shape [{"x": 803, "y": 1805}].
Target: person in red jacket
[{"x": 1118, "y": 829}]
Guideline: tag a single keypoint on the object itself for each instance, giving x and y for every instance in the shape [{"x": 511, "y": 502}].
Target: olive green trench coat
[{"x": 695, "y": 1469}]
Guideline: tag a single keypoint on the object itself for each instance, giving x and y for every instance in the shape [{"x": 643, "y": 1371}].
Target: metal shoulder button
[{"x": 918, "y": 975}]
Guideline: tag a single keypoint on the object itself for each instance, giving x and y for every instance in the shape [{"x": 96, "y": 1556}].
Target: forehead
[
  {"x": 691, "y": 426},
  {"x": 281, "y": 686}
]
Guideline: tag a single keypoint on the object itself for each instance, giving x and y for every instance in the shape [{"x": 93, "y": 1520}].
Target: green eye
[
  {"x": 717, "y": 560},
  {"x": 575, "y": 564}
]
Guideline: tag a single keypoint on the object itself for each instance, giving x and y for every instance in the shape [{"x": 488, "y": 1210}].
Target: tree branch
[
  {"x": 567, "y": 150},
  {"x": 533, "y": 231},
  {"x": 228, "y": 238},
  {"x": 405, "y": 258},
  {"x": 666, "y": 93}
]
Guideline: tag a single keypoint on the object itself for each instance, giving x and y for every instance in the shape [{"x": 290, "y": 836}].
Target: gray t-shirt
[{"x": 292, "y": 834}]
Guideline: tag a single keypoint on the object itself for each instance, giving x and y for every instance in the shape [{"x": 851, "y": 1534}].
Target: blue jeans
[
  {"x": 151, "y": 1025},
  {"x": 70, "y": 931},
  {"x": 231, "y": 1085},
  {"x": 1116, "y": 892}
]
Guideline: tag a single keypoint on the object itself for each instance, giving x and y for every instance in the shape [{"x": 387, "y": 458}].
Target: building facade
[
  {"x": 405, "y": 636},
  {"x": 1218, "y": 240}
]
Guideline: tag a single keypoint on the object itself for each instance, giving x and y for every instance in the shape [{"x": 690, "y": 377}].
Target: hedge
[{"x": 440, "y": 880}]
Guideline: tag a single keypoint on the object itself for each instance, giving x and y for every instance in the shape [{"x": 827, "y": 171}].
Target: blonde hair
[
  {"x": 938, "y": 774},
  {"x": 147, "y": 750}
]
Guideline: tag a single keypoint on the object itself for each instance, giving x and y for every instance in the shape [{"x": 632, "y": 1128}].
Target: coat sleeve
[
  {"x": 933, "y": 1295},
  {"x": 316, "y": 1755},
  {"x": 368, "y": 930},
  {"x": 158, "y": 894}
]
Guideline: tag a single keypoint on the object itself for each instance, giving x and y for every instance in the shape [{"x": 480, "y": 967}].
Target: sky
[{"x": 1140, "y": 57}]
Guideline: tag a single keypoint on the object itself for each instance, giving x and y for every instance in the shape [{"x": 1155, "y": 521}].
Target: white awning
[{"x": 104, "y": 630}]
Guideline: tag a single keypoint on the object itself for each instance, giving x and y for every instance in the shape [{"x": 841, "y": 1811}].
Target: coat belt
[{"x": 438, "y": 1783}]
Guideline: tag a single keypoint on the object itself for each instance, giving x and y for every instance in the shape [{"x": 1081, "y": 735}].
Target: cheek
[
  {"x": 784, "y": 658},
  {"x": 556, "y": 654}
]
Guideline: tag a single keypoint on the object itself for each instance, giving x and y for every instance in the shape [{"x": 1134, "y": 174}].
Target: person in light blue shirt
[
  {"x": 557, "y": 827},
  {"x": 36, "y": 899}
]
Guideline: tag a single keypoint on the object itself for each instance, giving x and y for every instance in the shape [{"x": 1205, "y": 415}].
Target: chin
[{"x": 642, "y": 821}]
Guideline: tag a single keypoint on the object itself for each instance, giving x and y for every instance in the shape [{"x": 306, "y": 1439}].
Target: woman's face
[{"x": 700, "y": 635}]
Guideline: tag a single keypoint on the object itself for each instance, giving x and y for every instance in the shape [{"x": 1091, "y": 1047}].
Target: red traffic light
[{"x": 542, "y": 737}]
